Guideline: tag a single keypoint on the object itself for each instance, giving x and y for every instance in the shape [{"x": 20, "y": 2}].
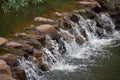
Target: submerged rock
[{"x": 3, "y": 41}]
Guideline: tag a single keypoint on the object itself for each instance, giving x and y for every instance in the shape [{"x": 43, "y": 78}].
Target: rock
[
  {"x": 66, "y": 36},
  {"x": 19, "y": 73},
  {"x": 4, "y": 68},
  {"x": 79, "y": 40},
  {"x": 74, "y": 18},
  {"x": 116, "y": 18},
  {"x": 91, "y": 4},
  {"x": 58, "y": 14},
  {"x": 10, "y": 59},
  {"x": 38, "y": 54},
  {"x": 28, "y": 49},
  {"x": 6, "y": 77},
  {"x": 14, "y": 44},
  {"x": 105, "y": 22},
  {"x": 44, "y": 67},
  {"x": 47, "y": 28},
  {"x": 2, "y": 41},
  {"x": 37, "y": 60},
  {"x": 20, "y": 34},
  {"x": 107, "y": 4},
  {"x": 45, "y": 20}
]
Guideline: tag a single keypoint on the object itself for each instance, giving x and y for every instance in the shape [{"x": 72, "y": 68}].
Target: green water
[{"x": 14, "y": 22}]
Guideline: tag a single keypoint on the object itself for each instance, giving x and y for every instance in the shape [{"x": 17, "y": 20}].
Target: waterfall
[{"x": 94, "y": 37}]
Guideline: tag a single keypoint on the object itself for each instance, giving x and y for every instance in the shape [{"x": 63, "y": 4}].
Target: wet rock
[
  {"x": 2, "y": 41},
  {"x": 79, "y": 40},
  {"x": 86, "y": 13},
  {"x": 4, "y": 68},
  {"x": 6, "y": 77},
  {"x": 45, "y": 20},
  {"x": 9, "y": 58},
  {"x": 99, "y": 32},
  {"x": 47, "y": 28},
  {"x": 74, "y": 18},
  {"x": 19, "y": 73},
  {"x": 14, "y": 44},
  {"x": 105, "y": 23},
  {"x": 44, "y": 67},
  {"x": 83, "y": 33},
  {"x": 37, "y": 60}
]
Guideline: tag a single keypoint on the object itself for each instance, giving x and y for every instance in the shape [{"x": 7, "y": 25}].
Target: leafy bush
[{"x": 16, "y": 5}]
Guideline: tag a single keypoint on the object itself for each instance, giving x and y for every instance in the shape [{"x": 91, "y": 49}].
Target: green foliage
[{"x": 16, "y": 5}]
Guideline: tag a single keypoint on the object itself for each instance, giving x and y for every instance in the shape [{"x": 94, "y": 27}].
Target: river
[{"x": 96, "y": 60}]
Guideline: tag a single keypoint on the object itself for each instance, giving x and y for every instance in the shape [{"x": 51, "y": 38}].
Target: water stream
[{"x": 97, "y": 59}]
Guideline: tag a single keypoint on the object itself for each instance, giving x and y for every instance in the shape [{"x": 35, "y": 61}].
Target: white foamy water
[{"x": 64, "y": 67}]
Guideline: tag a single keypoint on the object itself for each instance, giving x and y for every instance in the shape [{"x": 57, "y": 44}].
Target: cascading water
[{"x": 74, "y": 52}]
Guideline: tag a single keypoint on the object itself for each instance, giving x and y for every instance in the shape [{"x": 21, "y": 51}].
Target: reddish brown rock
[
  {"x": 79, "y": 40},
  {"x": 2, "y": 41},
  {"x": 45, "y": 20}
]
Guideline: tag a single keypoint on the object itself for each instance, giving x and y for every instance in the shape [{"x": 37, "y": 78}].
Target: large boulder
[{"x": 2, "y": 41}]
